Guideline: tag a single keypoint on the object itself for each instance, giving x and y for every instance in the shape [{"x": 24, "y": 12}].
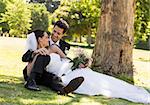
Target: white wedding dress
[{"x": 96, "y": 83}]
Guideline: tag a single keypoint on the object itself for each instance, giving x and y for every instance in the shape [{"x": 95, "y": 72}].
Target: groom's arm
[{"x": 28, "y": 56}]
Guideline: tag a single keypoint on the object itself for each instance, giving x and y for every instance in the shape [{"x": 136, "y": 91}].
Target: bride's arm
[{"x": 56, "y": 49}]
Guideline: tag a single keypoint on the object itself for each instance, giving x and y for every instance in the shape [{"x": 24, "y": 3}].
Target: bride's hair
[
  {"x": 32, "y": 39},
  {"x": 38, "y": 33}
]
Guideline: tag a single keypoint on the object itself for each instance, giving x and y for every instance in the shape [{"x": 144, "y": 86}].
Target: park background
[{"x": 20, "y": 17}]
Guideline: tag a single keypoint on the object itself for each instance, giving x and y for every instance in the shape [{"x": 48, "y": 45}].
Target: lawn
[{"x": 12, "y": 91}]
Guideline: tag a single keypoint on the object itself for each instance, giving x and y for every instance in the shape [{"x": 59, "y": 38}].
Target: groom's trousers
[{"x": 42, "y": 77}]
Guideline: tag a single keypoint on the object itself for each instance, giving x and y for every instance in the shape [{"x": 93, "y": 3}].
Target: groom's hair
[
  {"x": 62, "y": 24},
  {"x": 38, "y": 33}
]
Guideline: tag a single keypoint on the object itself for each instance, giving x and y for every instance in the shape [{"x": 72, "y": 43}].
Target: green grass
[{"x": 12, "y": 91}]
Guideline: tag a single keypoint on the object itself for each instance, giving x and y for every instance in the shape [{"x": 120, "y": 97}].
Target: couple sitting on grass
[{"x": 49, "y": 66}]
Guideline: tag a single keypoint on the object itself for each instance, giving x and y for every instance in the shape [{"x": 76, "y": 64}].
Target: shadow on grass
[
  {"x": 12, "y": 92},
  {"x": 82, "y": 46}
]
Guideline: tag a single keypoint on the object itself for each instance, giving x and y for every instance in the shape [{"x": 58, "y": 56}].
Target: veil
[{"x": 31, "y": 43}]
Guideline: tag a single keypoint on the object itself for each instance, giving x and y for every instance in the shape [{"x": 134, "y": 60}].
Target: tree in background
[
  {"x": 17, "y": 16},
  {"x": 114, "y": 41},
  {"x": 3, "y": 25},
  {"x": 142, "y": 24},
  {"x": 51, "y": 5},
  {"x": 39, "y": 16},
  {"x": 82, "y": 16},
  {"x": 2, "y": 7}
]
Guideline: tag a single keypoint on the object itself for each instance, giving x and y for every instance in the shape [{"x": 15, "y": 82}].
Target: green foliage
[
  {"x": 51, "y": 5},
  {"x": 142, "y": 20},
  {"x": 82, "y": 16},
  {"x": 17, "y": 16},
  {"x": 3, "y": 25},
  {"x": 2, "y": 7},
  {"x": 40, "y": 16},
  {"x": 20, "y": 17}
]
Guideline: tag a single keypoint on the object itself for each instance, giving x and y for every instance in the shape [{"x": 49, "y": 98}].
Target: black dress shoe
[
  {"x": 73, "y": 85},
  {"x": 31, "y": 85}
]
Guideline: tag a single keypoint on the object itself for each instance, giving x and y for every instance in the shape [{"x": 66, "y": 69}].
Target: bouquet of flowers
[{"x": 81, "y": 60}]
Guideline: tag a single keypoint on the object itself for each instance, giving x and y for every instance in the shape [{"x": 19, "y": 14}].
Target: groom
[
  {"x": 45, "y": 78},
  {"x": 57, "y": 34}
]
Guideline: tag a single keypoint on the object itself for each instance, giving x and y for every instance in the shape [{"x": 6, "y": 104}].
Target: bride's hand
[
  {"x": 87, "y": 64},
  {"x": 42, "y": 51},
  {"x": 82, "y": 65}
]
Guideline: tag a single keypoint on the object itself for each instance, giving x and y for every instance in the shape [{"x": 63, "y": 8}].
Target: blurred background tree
[
  {"x": 17, "y": 16},
  {"x": 142, "y": 24},
  {"x": 39, "y": 16},
  {"x": 22, "y": 16},
  {"x": 51, "y": 5},
  {"x": 3, "y": 24},
  {"x": 82, "y": 16}
]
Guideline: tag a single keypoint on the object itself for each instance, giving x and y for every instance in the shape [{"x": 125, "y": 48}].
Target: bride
[{"x": 96, "y": 83}]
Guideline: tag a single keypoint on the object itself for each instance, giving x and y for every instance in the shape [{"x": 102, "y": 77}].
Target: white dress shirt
[{"x": 51, "y": 42}]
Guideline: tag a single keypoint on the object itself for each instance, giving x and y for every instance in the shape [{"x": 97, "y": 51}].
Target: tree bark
[
  {"x": 89, "y": 38},
  {"x": 80, "y": 38},
  {"x": 112, "y": 53}
]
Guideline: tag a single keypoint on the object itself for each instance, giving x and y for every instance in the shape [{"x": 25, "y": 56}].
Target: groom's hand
[{"x": 42, "y": 51}]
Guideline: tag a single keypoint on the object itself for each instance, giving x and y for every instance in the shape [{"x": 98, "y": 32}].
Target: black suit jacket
[
  {"x": 64, "y": 45},
  {"x": 28, "y": 56}
]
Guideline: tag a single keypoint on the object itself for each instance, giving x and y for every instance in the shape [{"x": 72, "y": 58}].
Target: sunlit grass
[{"x": 12, "y": 91}]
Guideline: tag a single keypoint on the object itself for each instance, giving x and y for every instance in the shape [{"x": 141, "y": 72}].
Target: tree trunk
[
  {"x": 80, "y": 38},
  {"x": 149, "y": 42},
  {"x": 112, "y": 53},
  {"x": 89, "y": 38}
]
